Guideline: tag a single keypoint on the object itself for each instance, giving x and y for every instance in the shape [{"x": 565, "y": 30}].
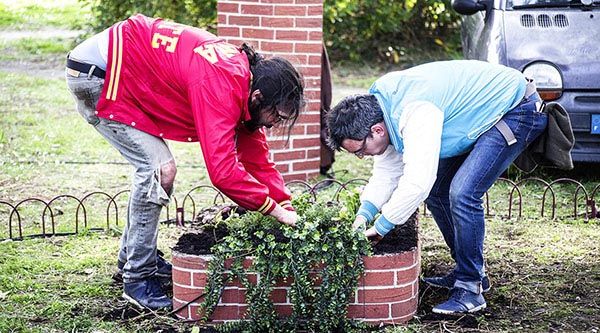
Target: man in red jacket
[{"x": 144, "y": 80}]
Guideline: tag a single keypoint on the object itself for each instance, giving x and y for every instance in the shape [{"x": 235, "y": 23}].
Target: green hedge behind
[{"x": 354, "y": 30}]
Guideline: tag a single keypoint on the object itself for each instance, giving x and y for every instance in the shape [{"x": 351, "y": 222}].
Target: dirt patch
[
  {"x": 401, "y": 239},
  {"x": 201, "y": 242}
]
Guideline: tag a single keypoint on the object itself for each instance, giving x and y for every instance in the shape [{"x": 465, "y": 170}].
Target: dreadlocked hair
[{"x": 280, "y": 84}]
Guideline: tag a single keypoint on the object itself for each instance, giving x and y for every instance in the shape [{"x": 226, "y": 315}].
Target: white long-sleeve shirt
[{"x": 401, "y": 181}]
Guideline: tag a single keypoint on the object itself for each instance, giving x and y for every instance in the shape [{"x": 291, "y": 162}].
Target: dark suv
[{"x": 555, "y": 42}]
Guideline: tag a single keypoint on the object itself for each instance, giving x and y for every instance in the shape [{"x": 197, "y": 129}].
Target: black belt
[{"x": 86, "y": 68}]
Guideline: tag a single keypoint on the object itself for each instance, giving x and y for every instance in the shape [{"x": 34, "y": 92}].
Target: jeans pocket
[{"x": 86, "y": 93}]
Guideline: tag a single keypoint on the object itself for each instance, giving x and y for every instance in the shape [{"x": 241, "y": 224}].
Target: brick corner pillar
[{"x": 292, "y": 29}]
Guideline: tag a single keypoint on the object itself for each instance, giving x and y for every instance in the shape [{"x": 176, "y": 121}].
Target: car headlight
[{"x": 547, "y": 79}]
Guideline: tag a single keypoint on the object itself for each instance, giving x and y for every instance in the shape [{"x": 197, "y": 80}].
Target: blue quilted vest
[{"x": 473, "y": 95}]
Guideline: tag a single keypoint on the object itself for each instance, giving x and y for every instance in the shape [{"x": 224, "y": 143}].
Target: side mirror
[{"x": 470, "y": 7}]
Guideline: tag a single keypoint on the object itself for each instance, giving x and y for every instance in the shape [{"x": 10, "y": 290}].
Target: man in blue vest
[{"x": 442, "y": 133}]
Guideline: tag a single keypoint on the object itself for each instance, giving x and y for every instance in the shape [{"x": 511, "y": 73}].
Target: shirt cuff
[
  {"x": 367, "y": 210},
  {"x": 383, "y": 226},
  {"x": 287, "y": 205},
  {"x": 267, "y": 207}
]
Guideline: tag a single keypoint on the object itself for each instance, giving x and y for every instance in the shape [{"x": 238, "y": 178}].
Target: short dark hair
[
  {"x": 279, "y": 83},
  {"x": 352, "y": 118}
]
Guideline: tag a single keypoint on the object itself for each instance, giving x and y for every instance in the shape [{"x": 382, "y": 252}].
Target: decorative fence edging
[{"x": 178, "y": 215}]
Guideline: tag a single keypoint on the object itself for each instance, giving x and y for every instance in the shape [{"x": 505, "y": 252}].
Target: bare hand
[{"x": 373, "y": 236}]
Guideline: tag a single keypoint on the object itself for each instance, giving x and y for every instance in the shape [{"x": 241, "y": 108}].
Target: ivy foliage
[{"x": 321, "y": 259}]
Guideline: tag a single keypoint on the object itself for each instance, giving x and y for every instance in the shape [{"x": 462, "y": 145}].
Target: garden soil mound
[{"x": 401, "y": 239}]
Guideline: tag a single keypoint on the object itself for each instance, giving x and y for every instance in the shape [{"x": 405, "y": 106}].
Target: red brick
[
  {"x": 257, "y": 33},
  {"x": 313, "y": 129},
  {"x": 373, "y": 279},
  {"x": 308, "y": 48},
  {"x": 232, "y": 296},
  {"x": 308, "y": 165},
  {"x": 276, "y": 47},
  {"x": 187, "y": 294},
  {"x": 278, "y": 295},
  {"x": 295, "y": 35},
  {"x": 298, "y": 129},
  {"x": 278, "y": 144},
  {"x": 276, "y": 22},
  {"x": 221, "y": 19},
  {"x": 313, "y": 106},
  {"x": 290, "y": 10},
  {"x": 182, "y": 277},
  {"x": 313, "y": 94},
  {"x": 291, "y": 155},
  {"x": 314, "y": 60},
  {"x": 311, "y": 72},
  {"x": 315, "y": 10},
  {"x": 277, "y": 1},
  {"x": 302, "y": 143},
  {"x": 313, "y": 153},
  {"x": 295, "y": 176},
  {"x": 224, "y": 7},
  {"x": 226, "y": 312},
  {"x": 257, "y": 9},
  {"x": 228, "y": 31},
  {"x": 404, "y": 309},
  {"x": 247, "y": 263},
  {"x": 387, "y": 295},
  {"x": 190, "y": 262},
  {"x": 252, "y": 278},
  {"x": 199, "y": 279},
  {"x": 315, "y": 36},
  {"x": 283, "y": 310},
  {"x": 390, "y": 261},
  {"x": 407, "y": 276},
  {"x": 181, "y": 311},
  {"x": 379, "y": 311},
  {"x": 307, "y": 2},
  {"x": 282, "y": 168},
  {"x": 243, "y": 20},
  {"x": 309, "y": 118},
  {"x": 309, "y": 22}
]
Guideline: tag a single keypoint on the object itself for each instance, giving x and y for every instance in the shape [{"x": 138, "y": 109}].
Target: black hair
[
  {"x": 352, "y": 118},
  {"x": 279, "y": 82}
]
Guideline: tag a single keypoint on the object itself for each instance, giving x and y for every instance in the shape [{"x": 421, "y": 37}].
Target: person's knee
[{"x": 167, "y": 176}]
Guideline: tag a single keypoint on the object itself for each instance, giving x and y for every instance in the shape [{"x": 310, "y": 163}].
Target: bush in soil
[{"x": 320, "y": 257}]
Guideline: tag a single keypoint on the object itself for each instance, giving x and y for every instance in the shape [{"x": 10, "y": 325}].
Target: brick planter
[{"x": 387, "y": 292}]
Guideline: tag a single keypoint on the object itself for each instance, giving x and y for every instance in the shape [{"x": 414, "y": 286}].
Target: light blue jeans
[
  {"x": 456, "y": 199},
  {"x": 147, "y": 154}
]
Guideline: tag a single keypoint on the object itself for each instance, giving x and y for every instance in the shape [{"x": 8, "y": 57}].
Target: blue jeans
[
  {"x": 456, "y": 199},
  {"x": 146, "y": 153}
]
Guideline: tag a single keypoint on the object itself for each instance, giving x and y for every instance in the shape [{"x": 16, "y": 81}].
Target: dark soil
[
  {"x": 401, "y": 239},
  {"x": 201, "y": 242}
]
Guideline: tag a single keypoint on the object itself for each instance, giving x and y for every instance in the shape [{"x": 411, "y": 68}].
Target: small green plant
[{"x": 321, "y": 258}]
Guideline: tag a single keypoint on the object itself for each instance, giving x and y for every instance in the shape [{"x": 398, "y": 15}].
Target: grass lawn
[{"x": 545, "y": 272}]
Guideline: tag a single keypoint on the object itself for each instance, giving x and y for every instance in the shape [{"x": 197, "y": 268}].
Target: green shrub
[
  {"x": 390, "y": 31},
  {"x": 393, "y": 32},
  {"x": 197, "y": 13}
]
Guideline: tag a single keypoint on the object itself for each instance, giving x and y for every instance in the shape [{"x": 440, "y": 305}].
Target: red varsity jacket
[{"x": 182, "y": 83}]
